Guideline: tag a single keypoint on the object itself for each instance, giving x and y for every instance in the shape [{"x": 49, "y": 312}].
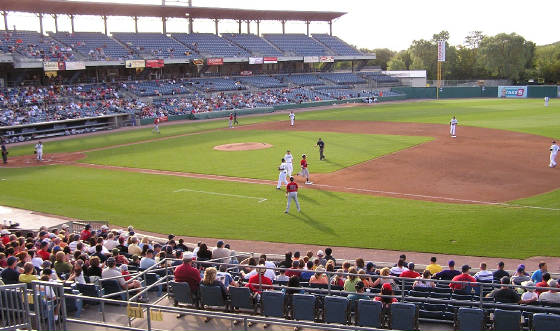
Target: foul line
[{"x": 223, "y": 194}]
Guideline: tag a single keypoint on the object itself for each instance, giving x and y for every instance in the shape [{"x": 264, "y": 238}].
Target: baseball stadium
[{"x": 243, "y": 178}]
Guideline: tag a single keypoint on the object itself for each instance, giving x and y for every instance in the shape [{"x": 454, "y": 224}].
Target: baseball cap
[
  {"x": 360, "y": 285},
  {"x": 111, "y": 260},
  {"x": 553, "y": 283},
  {"x": 451, "y": 263},
  {"x": 320, "y": 252},
  {"x": 65, "y": 226},
  {"x": 115, "y": 251},
  {"x": 410, "y": 265},
  {"x": 220, "y": 243},
  {"x": 387, "y": 286},
  {"x": 465, "y": 268},
  {"x": 5, "y": 232},
  {"x": 188, "y": 256},
  {"x": 520, "y": 267},
  {"x": 104, "y": 227},
  {"x": 11, "y": 260}
]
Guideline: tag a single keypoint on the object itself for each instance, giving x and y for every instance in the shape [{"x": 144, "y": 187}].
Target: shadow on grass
[
  {"x": 328, "y": 194},
  {"x": 334, "y": 163},
  {"x": 313, "y": 223}
]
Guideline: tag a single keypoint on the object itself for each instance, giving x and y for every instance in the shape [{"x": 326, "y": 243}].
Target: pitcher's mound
[{"x": 241, "y": 147}]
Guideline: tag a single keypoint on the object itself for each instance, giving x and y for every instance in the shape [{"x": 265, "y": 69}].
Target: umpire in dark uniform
[
  {"x": 321, "y": 145},
  {"x": 4, "y": 152}
]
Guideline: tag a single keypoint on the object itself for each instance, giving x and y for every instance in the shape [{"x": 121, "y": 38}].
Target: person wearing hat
[
  {"x": 386, "y": 289},
  {"x": 5, "y": 237},
  {"x": 553, "y": 152},
  {"x": 463, "y": 277},
  {"x": 221, "y": 254},
  {"x": 530, "y": 295},
  {"x": 447, "y": 274},
  {"x": 304, "y": 171},
  {"x": 321, "y": 256},
  {"x": 121, "y": 259},
  {"x": 187, "y": 273},
  {"x": 10, "y": 275},
  {"x": 86, "y": 233},
  {"x": 291, "y": 194},
  {"x": 319, "y": 277},
  {"x": 410, "y": 273},
  {"x": 520, "y": 275}
]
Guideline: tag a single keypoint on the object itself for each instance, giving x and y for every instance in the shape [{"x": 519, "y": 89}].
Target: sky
[{"x": 367, "y": 24}]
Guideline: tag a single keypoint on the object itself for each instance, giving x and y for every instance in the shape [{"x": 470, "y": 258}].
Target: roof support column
[
  {"x": 72, "y": 22},
  {"x": 5, "y": 14},
  {"x": 164, "y": 24},
  {"x": 239, "y": 23},
  {"x": 105, "y": 24},
  {"x": 40, "y": 15},
  {"x": 248, "y": 26},
  {"x": 258, "y": 28},
  {"x": 283, "y": 26},
  {"x": 55, "y": 17},
  {"x": 307, "y": 23},
  {"x": 216, "y": 24},
  {"x": 136, "y": 24},
  {"x": 190, "y": 24},
  {"x": 330, "y": 28}
]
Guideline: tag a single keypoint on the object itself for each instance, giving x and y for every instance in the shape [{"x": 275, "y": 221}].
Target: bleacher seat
[
  {"x": 404, "y": 316},
  {"x": 111, "y": 286},
  {"x": 507, "y": 320},
  {"x": 304, "y": 307},
  {"x": 546, "y": 322},
  {"x": 212, "y": 296},
  {"x": 297, "y": 44},
  {"x": 336, "y": 309},
  {"x": 272, "y": 303},
  {"x": 343, "y": 78},
  {"x": 262, "y": 81},
  {"x": 210, "y": 44},
  {"x": 155, "y": 44},
  {"x": 256, "y": 45},
  {"x": 369, "y": 313},
  {"x": 94, "y": 45},
  {"x": 302, "y": 80},
  {"x": 337, "y": 45},
  {"x": 182, "y": 294},
  {"x": 34, "y": 45},
  {"x": 469, "y": 319},
  {"x": 241, "y": 298}
]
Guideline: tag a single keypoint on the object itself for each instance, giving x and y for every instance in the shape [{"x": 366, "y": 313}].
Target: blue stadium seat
[
  {"x": 507, "y": 320},
  {"x": 546, "y": 322},
  {"x": 336, "y": 309},
  {"x": 470, "y": 319},
  {"x": 304, "y": 307},
  {"x": 210, "y": 44},
  {"x": 338, "y": 46},
  {"x": 212, "y": 296},
  {"x": 182, "y": 294},
  {"x": 254, "y": 44},
  {"x": 404, "y": 316},
  {"x": 369, "y": 313},
  {"x": 297, "y": 44},
  {"x": 272, "y": 303}
]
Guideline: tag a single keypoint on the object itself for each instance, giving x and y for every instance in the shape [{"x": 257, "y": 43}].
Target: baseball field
[{"x": 392, "y": 178}]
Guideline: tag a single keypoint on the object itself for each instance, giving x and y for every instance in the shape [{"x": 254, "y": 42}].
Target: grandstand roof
[{"x": 120, "y": 9}]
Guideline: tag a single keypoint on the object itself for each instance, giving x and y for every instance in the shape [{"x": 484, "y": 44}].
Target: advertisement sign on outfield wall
[
  {"x": 218, "y": 61},
  {"x": 156, "y": 63},
  {"x": 512, "y": 92},
  {"x": 256, "y": 60},
  {"x": 270, "y": 59},
  {"x": 135, "y": 64},
  {"x": 75, "y": 66}
]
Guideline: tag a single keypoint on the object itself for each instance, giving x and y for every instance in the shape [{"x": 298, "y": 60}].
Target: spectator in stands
[
  {"x": 308, "y": 272},
  {"x": 43, "y": 251},
  {"x": 296, "y": 256},
  {"x": 530, "y": 295},
  {"x": 328, "y": 255},
  {"x": 210, "y": 280},
  {"x": 551, "y": 296},
  {"x": 203, "y": 254},
  {"x": 360, "y": 293},
  {"x": 29, "y": 273},
  {"x": 259, "y": 282},
  {"x": 287, "y": 262},
  {"x": 448, "y": 274},
  {"x": 282, "y": 276},
  {"x": 338, "y": 279},
  {"x": 86, "y": 233},
  {"x": 111, "y": 271},
  {"x": 225, "y": 277},
  {"x": 399, "y": 268},
  {"x": 94, "y": 270},
  {"x": 536, "y": 277},
  {"x": 123, "y": 248},
  {"x": 386, "y": 290},
  {"x": 423, "y": 281},
  {"x": 133, "y": 248},
  {"x": 402, "y": 258},
  {"x": 379, "y": 282},
  {"x": 110, "y": 243},
  {"x": 321, "y": 257},
  {"x": 10, "y": 275},
  {"x": 484, "y": 275},
  {"x": 370, "y": 269},
  {"x": 145, "y": 243},
  {"x": 364, "y": 278},
  {"x": 543, "y": 283},
  {"x": 500, "y": 273},
  {"x": 61, "y": 266},
  {"x": 505, "y": 294},
  {"x": 319, "y": 277},
  {"x": 99, "y": 253},
  {"x": 77, "y": 274},
  {"x": 463, "y": 277},
  {"x": 293, "y": 271},
  {"x": 520, "y": 275},
  {"x": 181, "y": 245},
  {"x": 360, "y": 264},
  {"x": 350, "y": 282},
  {"x": 410, "y": 273},
  {"x": 148, "y": 260},
  {"x": 121, "y": 259},
  {"x": 35, "y": 259},
  {"x": 220, "y": 253},
  {"x": 187, "y": 273}
]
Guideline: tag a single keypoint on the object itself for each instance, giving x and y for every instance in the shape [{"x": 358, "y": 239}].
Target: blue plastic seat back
[
  {"x": 470, "y": 319},
  {"x": 304, "y": 307},
  {"x": 369, "y": 313},
  {"x": 182, "y": 293},
  {"x": 211, "y": 296},
  {"x": 241, "y": 297},
  {"x": 336, "y": 309},
  {"x": 507, "y": 320},
  {"x": 403, "y": 316},
  {"x": 272, "y": 303},
  {"x": 546, "y": 322}
]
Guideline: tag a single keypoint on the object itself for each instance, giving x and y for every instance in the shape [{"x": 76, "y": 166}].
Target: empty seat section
[
  {"x": 210, "y": 44},
  {"x": 343, "y": 78},
  {"x": 154, "y": 44},
  {"x": 336, "y": 44},
  {"x": 94, "y": 45},
  {"x": 297, "y": 44},
  {"x": 262, "y": 81},
  {"x": 253, "y": 43},
  {"x": 302, "y": 80}
]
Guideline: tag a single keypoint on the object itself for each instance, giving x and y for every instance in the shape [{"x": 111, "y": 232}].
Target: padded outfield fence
[{"x": 51, "y": 306}]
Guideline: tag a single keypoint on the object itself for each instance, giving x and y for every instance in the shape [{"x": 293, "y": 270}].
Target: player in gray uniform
[
  {"x": 39, "y": 151},
  {"x": 282, "y": 175},
  {"x": 553, "y": 152}
]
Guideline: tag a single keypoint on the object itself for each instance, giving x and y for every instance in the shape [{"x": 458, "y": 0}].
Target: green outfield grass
[
  {"x": 341, "y": 219},
  {"x": 195, "y": 153}
]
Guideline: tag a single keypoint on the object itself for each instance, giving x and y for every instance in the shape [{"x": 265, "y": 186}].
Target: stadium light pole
[
  {"x": 136, "y": 24},
  {"x": 248, "y": 26},
  {"x": 307, "y": 23},
  {"x": 216, "y": 24},
  {"x": 283, "y": 26},
  {"x": 105, "y": 24},
  {"x": 258, "y": 28},
  {"x": 239, "y": 24}
]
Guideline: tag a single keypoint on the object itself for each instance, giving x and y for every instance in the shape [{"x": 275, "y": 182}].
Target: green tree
[
  {"x": 506, "y": 56},
  {"x": 383, "y": 56},
  {"x": 400, "y": 61},
  {"x": 547, "y": 62}
]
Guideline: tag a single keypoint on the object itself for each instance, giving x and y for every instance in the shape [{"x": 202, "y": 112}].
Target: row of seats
[
  {"x": 34, "y": 45},
  {"x": 94, "y": 45},
  {"x": 210, "y": 44},
  {"x": 155, "y": 44}
]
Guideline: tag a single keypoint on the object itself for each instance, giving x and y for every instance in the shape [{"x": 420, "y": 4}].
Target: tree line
[{"x": 503, "y": 56}]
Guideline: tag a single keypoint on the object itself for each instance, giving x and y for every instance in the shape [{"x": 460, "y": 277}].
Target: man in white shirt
[
  {"x": 552, "y": 295},
  {"x": 110, "y": 243},
  {"x": 148, "y": 260},
  {"x": 553, "y": 152},
  {"x": 39, "y": 151},
  {"x": 221, "y": 253},
  {"x": 282, "y": 175},
  {"x": 453, "y": 126},
  {"x": 292, "y": 118},
  {"x": 398, "y": 269},
  {"x": 289, "y": 166},
  {"x": 484, "y": 275}
]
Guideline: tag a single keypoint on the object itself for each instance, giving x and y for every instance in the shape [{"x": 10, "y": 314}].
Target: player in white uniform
[
  {"x": 282, "y": 175},
  {"x": 289, "y": 166},
  {"x": 553, "y": 152},
  {"x": 39, "y": 151},
  {"x": 453, "y": 124},
  {"x": 292, "y": 118},
  {"x": 546, "y": 100}
]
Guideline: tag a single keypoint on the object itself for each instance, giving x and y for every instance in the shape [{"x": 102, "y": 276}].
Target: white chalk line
[
  {"x": 222, "y": 194},
  {"x": 265, "y": 182}
]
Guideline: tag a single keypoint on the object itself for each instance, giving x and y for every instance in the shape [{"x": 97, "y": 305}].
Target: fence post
[{"x": 148, "y": 311}]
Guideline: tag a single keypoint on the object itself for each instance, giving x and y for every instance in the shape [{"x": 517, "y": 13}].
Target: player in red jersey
[
  {"x": 291, "y": 193},
  {"x": 304, "y": 172},
  {"x": 156, "y": 125}
]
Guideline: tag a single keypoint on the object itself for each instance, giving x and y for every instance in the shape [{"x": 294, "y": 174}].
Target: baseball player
[
  {"x": 291, "y": 193},
  {"x": 230, "y": 120},
  {"x": 553, "y": 152},
  {"x": 235, "y": 122},
  {"x": 453, "y": 124},
  {"x": 289, "y": 166},
  {"x": 39, "y": 151},
  {"x": 292, "y": 118},
  {"x": 282, "y": 175},
  {"x": 546, "y": 100},
  {"x": 304, "y": 172},
  {"x": 321, "y": 145},
  {"x": 4, "y": 152},
  {"x": 156, "y": 125}
]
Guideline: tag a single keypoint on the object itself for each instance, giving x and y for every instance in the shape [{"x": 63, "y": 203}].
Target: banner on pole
[
  {"x": 310, "y": 59},
  {"x": 75, "y": 66},
  {"x": 329, "y": 58},
  {"x": 441, "y": 50}
]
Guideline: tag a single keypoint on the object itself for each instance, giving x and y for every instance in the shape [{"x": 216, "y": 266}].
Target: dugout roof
[{"x": 142, "y": 10}]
